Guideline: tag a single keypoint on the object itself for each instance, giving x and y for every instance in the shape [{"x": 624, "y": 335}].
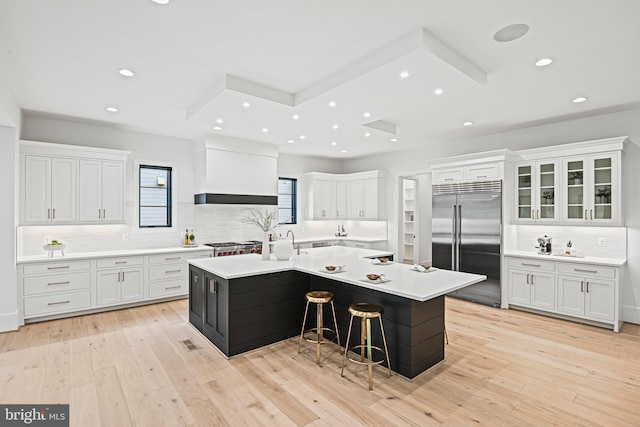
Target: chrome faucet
[{"x": 293, "y": 241}]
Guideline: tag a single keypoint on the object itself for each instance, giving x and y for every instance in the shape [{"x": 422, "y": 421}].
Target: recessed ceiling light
[
  {"x": 332, "y": 104},
  {"x": 126, "y": 72},
  {"x": 543, "y": 62},
  {"x": 579, "y": 99},
  {"x": 343, "y": 151},
  {"x": 511, "y": 33},
  {"x": 112, "y": 109},
  {"x": 438, "y": 91},
  {"x": 291, "y": 141},
  {"x": 367, "y": 134},
  {"x": 246, "y": 105},
  {"x": 394, "y": 140},
  {"x": 220, "y": 121},
  {"x": 217, "y": 128},
  {"x": 333, "y": 143},
  {"x": 295, "y": 117},
  {"x": 404, "y": 74},
  {"x": 467, "y": 123},
  {"x": 265, "y": 130},
  {"x": 367, "y": 114},
  {"x": 302, "y": 137},
  {"x": 161, "y": 1},
  {"x": 335, "y": 126}
]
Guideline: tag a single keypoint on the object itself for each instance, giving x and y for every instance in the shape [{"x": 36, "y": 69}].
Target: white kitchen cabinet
[
  {"x": 121, "y": 285},
  {"x": 537, "y": 191},
  {"x": 324, "y": 199},
  {"x": 49, "y": 189},
  {"x": 364, "y": 198},
  {"x": 473, "y": 171},
  {"x": 532, "y": 283},
  {"x": 341, "y": 199},
  {"x": 592, "y": 186},
  {"x": 101, "y": 191},
  {"x": 586, "y": 292}
]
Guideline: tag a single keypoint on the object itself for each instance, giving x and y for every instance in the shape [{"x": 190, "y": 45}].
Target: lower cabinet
[
  {"x": 216, "y": 314},
  {"x": 582, "y": 291},
  {"x": 119, "y": 286}
]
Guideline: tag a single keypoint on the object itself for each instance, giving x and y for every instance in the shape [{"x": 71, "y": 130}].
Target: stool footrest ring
[
  {"x": 315, "y": 330},
  {"x": 366, "y": 361}
]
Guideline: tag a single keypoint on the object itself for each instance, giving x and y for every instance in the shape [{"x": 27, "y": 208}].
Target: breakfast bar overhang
[{"x": 243, "y": 303}]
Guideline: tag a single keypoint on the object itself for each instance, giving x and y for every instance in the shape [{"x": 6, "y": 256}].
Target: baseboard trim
[
  {"x": 630, "y": 314},
  {"x": 9, "y": 322}
]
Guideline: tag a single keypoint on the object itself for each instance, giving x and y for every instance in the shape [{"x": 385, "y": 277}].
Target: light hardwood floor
[{"x": 502, "y": 367}]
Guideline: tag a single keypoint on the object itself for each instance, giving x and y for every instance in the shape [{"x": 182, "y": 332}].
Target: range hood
[{"x": 235, "y": 171}]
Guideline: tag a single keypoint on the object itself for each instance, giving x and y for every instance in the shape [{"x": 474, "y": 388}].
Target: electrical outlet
[
  {"x": 125, "y": 237},
  {"x": 602, "y": 241}
]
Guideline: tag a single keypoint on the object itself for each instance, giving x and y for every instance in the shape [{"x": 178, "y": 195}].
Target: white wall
[{"x": 591, "y": 128}]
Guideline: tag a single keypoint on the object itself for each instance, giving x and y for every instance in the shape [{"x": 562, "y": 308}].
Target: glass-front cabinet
[
  {"x": 537, "y": 191},
  {"x": 591, "y": 187}
]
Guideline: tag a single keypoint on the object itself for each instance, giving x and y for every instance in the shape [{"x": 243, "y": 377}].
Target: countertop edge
[
  {"x": 107, "y": 254},
  {"x": 612, "y": 262}
]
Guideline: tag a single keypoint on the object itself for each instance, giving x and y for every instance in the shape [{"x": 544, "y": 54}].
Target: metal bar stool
[
  {"x": 319, "y": 298},
  {"x": 366, "y": 312}
]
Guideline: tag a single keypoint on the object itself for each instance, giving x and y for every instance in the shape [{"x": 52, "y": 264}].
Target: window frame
[
  {"x": 136, "y": 229},
  {"x": 294, "y": 200}
]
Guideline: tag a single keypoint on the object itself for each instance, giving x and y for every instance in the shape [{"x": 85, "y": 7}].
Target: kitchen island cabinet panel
[{"x": 196, "y": 298}]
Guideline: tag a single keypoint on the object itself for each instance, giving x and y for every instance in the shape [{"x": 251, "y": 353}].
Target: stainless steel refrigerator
[{"x": 467, "y": 235}]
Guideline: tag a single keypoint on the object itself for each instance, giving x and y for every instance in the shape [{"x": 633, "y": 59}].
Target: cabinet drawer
[
  {"x": 119, "y": 262},
  {"x": 531, "y": 264},
  {"x": 481, "y": 172},
  {"x": 168, "y": 288},
  {"x": 56, "y": 283},
  {"x": 169, "y": 271},
  {"x": 50, "y": 304},
  {"x": 174, "y": 257},
  {"x": 448, "y": 175},
  {"x": 587, "y": 270},
  {"x": 55, "y": 267},
  {"x": 207, "y": 254}
]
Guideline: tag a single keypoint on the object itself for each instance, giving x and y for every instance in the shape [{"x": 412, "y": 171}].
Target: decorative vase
[
  {"x": 265, "y": 247},
  {"x": 283, "y": 249}
]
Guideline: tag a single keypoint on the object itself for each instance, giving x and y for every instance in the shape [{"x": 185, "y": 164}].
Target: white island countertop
[{"x": 402, "y": 281}]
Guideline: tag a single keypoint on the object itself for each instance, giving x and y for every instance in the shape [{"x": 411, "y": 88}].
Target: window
[
  {"x": 287, "y": 192},
  {"x": 155, "y": 196}
]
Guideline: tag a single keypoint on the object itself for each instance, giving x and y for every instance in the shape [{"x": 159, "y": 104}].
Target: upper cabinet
[
  {"x": 101, "y": 191},
  {"x": 580, "y": 185},
  {"x": 536, "y": 191},
  {"x": 63, "y": 184},
  {"x": 49, "y": 184},
  {"x": 592, "y": 189},
  {"x": 356, "y": 196},
  {"x": 475, "y": 170}
]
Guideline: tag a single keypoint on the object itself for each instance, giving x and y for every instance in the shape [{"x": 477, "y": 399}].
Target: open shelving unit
[{"x": 409, "y": 221}]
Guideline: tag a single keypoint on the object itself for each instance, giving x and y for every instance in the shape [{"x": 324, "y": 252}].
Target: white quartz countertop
[
  {"x": 614, "y": 262},
  {"x": 357, "y": 263},
  {"x": 104, "y": 254},
  {"x": 348, "y": 239}
]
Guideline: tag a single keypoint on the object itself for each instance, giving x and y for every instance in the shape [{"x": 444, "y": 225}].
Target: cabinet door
[
  {"x": 575, "y": 189},
  {"x": 603, "y": 189},
  {"x": 356, "y": 199},
  {"x": 370, "y": 199},
  {"x": 525, "y": 196},
  {"x": 37, "y": 189},
  {"x": 216, "y": 313},
  {"x": 89, "y": 194},
  {"x": 546, "y": 191},
  {"x": 108, "y": 289},
  {"x": 324, "y": 199},
  {"x": 341, "y": 200},
  {"x": 443, "y": 175},
  {"x": 543, "y": 290},
  {"x": 599, "y": 299},
  {"x": 519, "y": 287},
  {"x": 112, "y": 189},
  {"x": 131, "y": 282},
  {"x": 63, "y": 189},
  {"x": 196, "y": 297},
  {"x": 570, "y": 295}
]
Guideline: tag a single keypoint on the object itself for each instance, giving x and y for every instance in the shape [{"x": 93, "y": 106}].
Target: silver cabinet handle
[
  {"x": 172, "y": 287},
  {"x": 587, "y": 287},
  {"x": 58, "y": 268},
  {"x": 104, "y": 214},
  {"x": 582, "y": 286},
  {"x": 532, "y": 279},
  {"x": 99, "y": 213},
  {"x": 590, "y": 213},
  {"x": 585, "y": 271},
  {"x": 53, "y": 213},
  {"x": 528, "y": 279},
  {"x": 530, "y": 265},
  {"x": 123, "y": 276},
  {"x": 59, "y": 302},
  {"x": 532, "y": 215},
  {"x": 537, "y": 213},
  {"x": 119, "y": 276},
  {"x": 49, "y": 213},
  {"x": 172, "y": 271},
  {"x": 58, "y": 283},
  {"x": 172, "y": 258},
  {"x": 585, "y": 214},
  {"x": 121, "y": 262}
]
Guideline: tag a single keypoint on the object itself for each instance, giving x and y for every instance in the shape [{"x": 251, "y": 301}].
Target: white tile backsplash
[
  {"x": 210, "y": 223},
  {"x": 584, "y": 239}
]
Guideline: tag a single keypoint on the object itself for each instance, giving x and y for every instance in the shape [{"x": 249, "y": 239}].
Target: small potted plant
[{"x": 548, "y": 197}]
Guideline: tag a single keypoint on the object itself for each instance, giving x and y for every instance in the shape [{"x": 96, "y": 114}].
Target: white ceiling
[{"x": 199, "y": 60}]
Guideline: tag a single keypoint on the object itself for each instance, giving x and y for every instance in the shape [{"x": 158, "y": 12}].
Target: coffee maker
[{"x": 544, "y": 245}]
